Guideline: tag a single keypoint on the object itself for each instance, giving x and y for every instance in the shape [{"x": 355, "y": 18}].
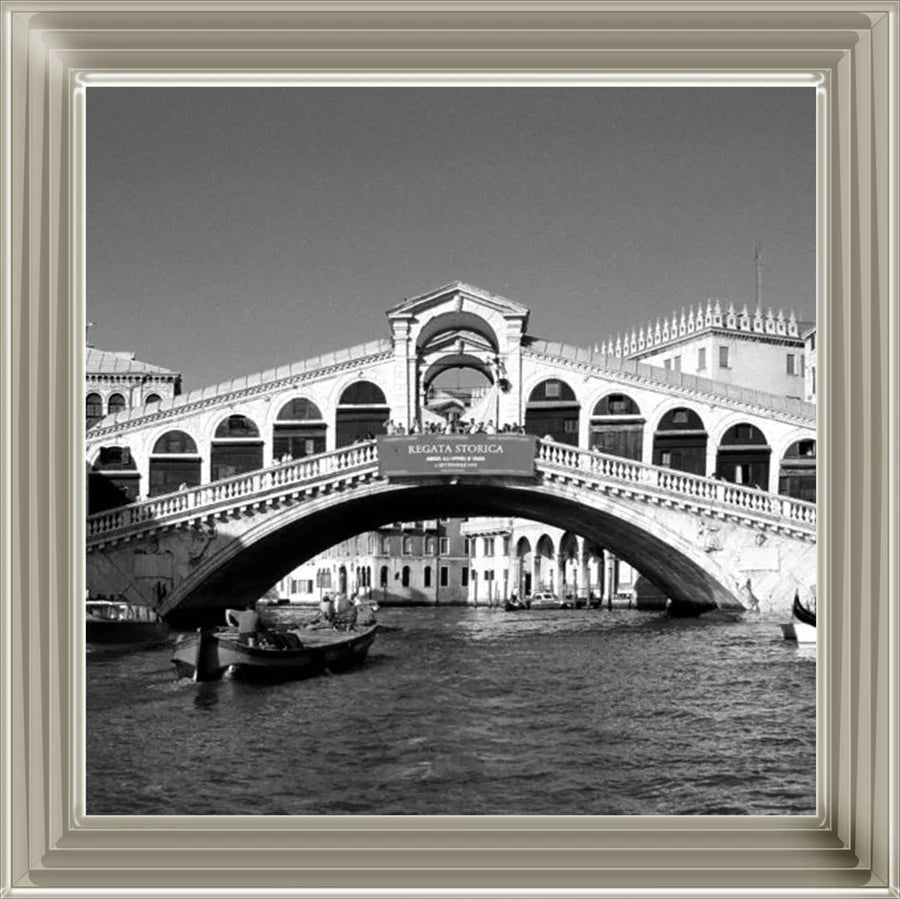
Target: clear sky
[{"x": 230, "y": 230}]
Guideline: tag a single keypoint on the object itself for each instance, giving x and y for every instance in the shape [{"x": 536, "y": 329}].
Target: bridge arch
[
  {"x": 452, "y": 361},
  {"x": 456, "y": 321},
  {"x": 670, "y": 556}
]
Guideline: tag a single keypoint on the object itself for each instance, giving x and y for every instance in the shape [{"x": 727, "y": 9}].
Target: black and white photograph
[{"x": 450, "y": 450}]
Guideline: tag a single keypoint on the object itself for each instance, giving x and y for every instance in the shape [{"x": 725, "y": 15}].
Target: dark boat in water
[
  {"x": 110, "y": 624},
  {"x": 802, "y": 626},
  {"x": 270, "y": 655}
]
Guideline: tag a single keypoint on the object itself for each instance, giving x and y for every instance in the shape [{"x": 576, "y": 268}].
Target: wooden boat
[
  {"x": 802, "y": 626},
  {"x": 110, "y": 624},
  {"x": 271, "y": 655}
]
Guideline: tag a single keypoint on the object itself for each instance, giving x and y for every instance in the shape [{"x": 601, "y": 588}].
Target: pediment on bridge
[{"x": 457, "y": 297}]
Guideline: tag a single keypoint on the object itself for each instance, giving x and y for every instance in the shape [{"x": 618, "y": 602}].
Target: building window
[
  {"x": 385, "y": 546},
  {"x": 812, "y": 371},
  {"x": 427, "y": 574},
  {"x": 445, "y": 545},
  {"x": 701, "y": 359},
  {"x": 678, "y": 363},
  {"x": 570, "y": 426},
  {"x": 724, "y": 361},
  {"x": 93, "y": 408},
  {"x": 404, "y": 576},
  {"x": 666, "y": 460},
  {"x": 152, "y": 398},
  {"x": 429, "y": 546},
  {"x": 489, "y": 546},
  {"x": 791, "y": 364},
  {"x": 552, "y": 390},
  {"x": 407, "y": 547},
  {"x": 467, "y": 546},
  {"x": 115, "y": 404},
  {"x": 445, "y": 576},
  {"x": 464, "y": 577},
  {"x": 667, "y": 364},
  {"x": 506, "y": 546}
]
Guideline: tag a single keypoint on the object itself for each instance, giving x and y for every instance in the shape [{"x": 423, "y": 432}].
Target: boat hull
[
  {"x": 799, "y": 632},
  {"x": 125, "y": 633},
  {"x": 208, "y": 655}
]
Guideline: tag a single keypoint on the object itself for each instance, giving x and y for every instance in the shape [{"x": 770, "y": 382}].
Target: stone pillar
[
  {"x": 402, "y": 399},
  {"x": 711, "y": 453},
  {"x": 774, "y": 472},
  {"x": 609, "y": 576},
  {"x": 585, "y": 585}
]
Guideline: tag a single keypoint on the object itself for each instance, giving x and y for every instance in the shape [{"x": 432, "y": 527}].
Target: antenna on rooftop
[{"x": 757, "y": 261}]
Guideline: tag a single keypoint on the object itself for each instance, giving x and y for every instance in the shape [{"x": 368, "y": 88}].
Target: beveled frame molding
[{"x": 52, "y": 48}]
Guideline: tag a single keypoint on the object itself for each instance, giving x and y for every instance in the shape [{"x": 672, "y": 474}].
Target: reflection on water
[{"x": 473, "y": 711}]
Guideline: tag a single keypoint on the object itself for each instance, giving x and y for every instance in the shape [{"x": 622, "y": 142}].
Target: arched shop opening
[
  {"x": 174, "y": 462},
  {"x": 114, "y": 480},
  {"x": 552, "y": 410},
  {"x": 524, "y": 567},
  {"x": 237, "y": 448},
  {"x": 617, "y": 427},
  {"x": 680, "y": 442},
  {"x": 362, "y": 412},
  {"x": 743, "y": 456},
  {"x": 299, "y": 430},
  {"x": 797, "y": 475},
  {"x": 543, "y": 564}
]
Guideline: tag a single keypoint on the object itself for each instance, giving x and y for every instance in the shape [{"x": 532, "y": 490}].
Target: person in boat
[
  {"x": 365, "y": 612},
  {"x": 246, "y": 622},
  {"x": 326, "y": 611},
  {"x": 344, "y": 612}
]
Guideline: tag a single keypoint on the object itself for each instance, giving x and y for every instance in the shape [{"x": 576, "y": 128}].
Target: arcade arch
[
  {"x": 743, "y": 456},
  {"x": 362, "y": 411},
  {"x": 113, "y": 480},
  {"x": 797, "y": 472},
  {"x": 237, "y": 448},
  {"x": 299, "y": 430},
  {"x": 553, "y": 410},
  {"x": 174, "y": 461},
  {"x": 680, "y": 441},
  {"x": 617, "y": 427}
]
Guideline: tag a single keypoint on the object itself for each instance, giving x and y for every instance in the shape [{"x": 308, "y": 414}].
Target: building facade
[
  {"x": 116, "y": 382},
  {"x": 406, "y": 563}
]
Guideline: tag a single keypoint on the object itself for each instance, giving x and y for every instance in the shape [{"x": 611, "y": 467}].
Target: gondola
[
  {"x": 802, "y": 627},
  {"x": 270, "y": 655}
]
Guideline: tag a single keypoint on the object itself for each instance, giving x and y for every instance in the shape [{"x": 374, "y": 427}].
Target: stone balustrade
[{"x": 594, "y": 470}]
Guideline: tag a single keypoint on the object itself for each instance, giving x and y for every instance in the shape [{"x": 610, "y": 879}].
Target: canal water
[{"x": 473, "y": 712}]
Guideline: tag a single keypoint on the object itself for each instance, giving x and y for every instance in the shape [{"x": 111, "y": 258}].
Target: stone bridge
[{"x": 704, "y": 542}]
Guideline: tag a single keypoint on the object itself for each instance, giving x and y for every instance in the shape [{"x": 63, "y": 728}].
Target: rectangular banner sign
[{"x": 428, "y": 455}]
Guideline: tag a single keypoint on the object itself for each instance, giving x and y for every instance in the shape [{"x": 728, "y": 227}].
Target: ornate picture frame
[{"x": 52, "y": 50}]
